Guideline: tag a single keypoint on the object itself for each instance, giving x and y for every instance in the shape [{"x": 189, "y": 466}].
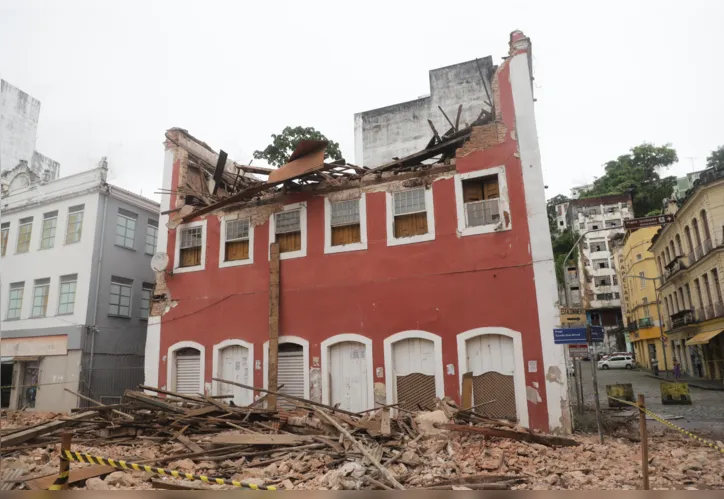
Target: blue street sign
[{"x": 577, "y": 335}]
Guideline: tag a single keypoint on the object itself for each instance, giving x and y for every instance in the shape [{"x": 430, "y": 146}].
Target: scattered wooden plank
[
  {"x": 117, "y": 432},
  {"x": 467, "y": 390},
  {"x": 385, "y": 472},
  {"x": 261, "y": 439},
  {"x": 88, "y": 399},
  {"x": 192, "y": 398},
  {"x": 550, "y": 441},
  {"x": 153, "y": 402},
  {"x": 77, "y": 475},
  {"x": 190, "y": 445},
  {"x": 30, "y": 433},
  {"x": 10, "y": 478}
]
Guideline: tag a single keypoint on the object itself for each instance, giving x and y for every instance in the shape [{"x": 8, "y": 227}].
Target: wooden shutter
[
  {"x": 290, "y": 241},
  {"x": 411, "y": 225},
  {"x": 472, "y": 191},
  {"x": 237, "y": 250},
  {"x": 490, "y": 188},
  {"x": 191, "y": 256},
  {"x": 346, "y": 234}
]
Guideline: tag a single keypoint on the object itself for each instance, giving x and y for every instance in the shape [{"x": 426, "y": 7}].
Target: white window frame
[
  {"x": 60, "y": 292},
  {"x": 171, "y": 363},
  {"x": 305, "y": 355},
  {"x": 519, "y": 383},
  {"x": 362, "y": 245},
  {"x": 177, "y": 269},
  {"x": 155, "y": 241},
  {"x": 30, "y": 240},
  {"x": 389, "y": 361},
  {"x": 430, "y": 211},
  {"x": 503, "y": 203},
  {"x": 47, "y": 218},
  {"x": 216, "y": 365},
  {"x": 38, "y": 283},
  {"x": 342, "y": 338},
  {"x": 302, "y": 252},
  {"x": 10, "y": 297},
  {"x": 222, "y": 243},
  {"x": 73, "y": 210},
  {"x": 146, "y": 286}
]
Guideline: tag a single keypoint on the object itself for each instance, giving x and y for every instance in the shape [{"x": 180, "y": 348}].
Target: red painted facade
[{"x": 446, "y": 286}]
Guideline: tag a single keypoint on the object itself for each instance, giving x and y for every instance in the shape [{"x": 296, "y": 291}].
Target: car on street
[{"x": 616, "y": 362}]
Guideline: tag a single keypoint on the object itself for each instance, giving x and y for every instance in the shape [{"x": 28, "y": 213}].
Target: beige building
[
  {"x": 637, "y": 273},
  {"x": 690, "y": 257}
]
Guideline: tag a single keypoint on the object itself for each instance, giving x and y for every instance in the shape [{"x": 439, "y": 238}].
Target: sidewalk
[{"x": 704, "y": 384}]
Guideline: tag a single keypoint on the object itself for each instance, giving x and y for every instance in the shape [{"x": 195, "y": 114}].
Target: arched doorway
[
  {"x": 347, "y": 372},
  {"x": 233, "y": 361},
  {"x": 413, "y": 365}
]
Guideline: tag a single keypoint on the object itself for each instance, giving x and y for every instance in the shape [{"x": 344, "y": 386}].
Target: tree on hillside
[
  {"x": 716, "y": 159},
  {"x": 636, "y": 172},
  {"x": 278, "y": 152}
]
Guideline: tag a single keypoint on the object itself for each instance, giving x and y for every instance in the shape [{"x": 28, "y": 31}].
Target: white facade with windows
[{"x": 54, "y": 264}]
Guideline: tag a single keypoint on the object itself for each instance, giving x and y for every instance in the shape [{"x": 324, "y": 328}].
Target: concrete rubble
[{"x": 423, "y": 450}]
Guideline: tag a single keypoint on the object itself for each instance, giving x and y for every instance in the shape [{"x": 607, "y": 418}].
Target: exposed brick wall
[{"x": 483, "y": 137}]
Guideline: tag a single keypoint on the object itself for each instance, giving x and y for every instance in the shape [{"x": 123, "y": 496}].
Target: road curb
[{"x": 681, "y": 380}]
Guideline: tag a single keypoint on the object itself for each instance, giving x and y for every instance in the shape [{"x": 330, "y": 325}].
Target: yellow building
[
  {"x": 639, "y": 301},
  {"x": 690, "y": 256}
]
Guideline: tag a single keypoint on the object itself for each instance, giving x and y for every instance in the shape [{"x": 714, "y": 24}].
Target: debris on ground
[{"x": 311, "y": 446}]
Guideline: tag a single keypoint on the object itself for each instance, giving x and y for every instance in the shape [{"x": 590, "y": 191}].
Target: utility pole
[{"x": 594, "y": 363}]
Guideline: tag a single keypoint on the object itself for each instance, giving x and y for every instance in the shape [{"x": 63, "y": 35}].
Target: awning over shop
[{"x": 703, "y": 338}]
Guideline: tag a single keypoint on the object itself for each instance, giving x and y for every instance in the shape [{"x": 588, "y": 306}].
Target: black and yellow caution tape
[
  {"x": 671, "y": 425},
  {"x": 60, "y": 481},
  {"x": 126, "y": 465}
]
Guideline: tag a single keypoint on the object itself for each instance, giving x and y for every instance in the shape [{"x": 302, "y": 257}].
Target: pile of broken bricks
[{"x": 310, "y": 446}]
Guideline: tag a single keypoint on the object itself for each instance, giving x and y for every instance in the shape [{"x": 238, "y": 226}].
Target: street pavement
[{"x": 706, "y": 412}]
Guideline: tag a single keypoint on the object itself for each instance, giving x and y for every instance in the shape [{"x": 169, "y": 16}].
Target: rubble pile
[{"x": 316, "y": 447}]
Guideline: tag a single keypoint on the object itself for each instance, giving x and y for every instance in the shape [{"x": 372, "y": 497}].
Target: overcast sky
[{"x": 113, "y": 76}]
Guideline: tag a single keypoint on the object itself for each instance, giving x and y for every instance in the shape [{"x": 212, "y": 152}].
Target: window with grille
[
  {"x": 75, "y": 224},
  {"x": 24, "y": 232},
  {"x": 236, "y": 246},
  {"x": 125, "y": 228},
  {"x": 146, "y": 295},
  {"x": 66, "y": 303},
  {"x": 151, "y": 236},
  {"x": 190, "y": 252},
  {"x": 410, "y": 213},
  {"x": 41, "y": 291},
  {"x": 4, "y": 235},
  {"x": 345, "y": 222},
  {"x": 50, "y": 222},
  {"x": 288, "y": 230},
  {"x": 15, "y": 300},
  {"x": 481, "y": 196},
  {"x": 120, "y": 301}
]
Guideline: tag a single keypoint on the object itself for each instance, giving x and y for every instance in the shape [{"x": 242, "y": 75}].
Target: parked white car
[{"x": 617, "y": 362}]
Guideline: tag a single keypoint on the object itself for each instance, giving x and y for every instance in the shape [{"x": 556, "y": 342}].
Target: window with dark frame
[
  {"x": 410, "y": 213},
  {"x": 345, "y": 222},
  {"x": 120, "y": 299},
  {"x": 236, "y": 246},
  {"x": 190, "y": 247},
  {"x": 481, "y": 197},
  {"x": 288, "y": 230}
]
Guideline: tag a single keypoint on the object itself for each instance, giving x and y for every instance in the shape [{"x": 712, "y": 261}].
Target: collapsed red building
[{"x": 394, "y": 282}]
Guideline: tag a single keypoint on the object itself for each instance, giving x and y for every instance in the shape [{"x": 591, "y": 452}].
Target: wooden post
[
  {"x": 65, "y": 439},
  {"x": 644, "y": 442},
  {"x": 273, "y": 366},
  {"x": 594, "y": 363},
  {"x": 467, "y": 390}
]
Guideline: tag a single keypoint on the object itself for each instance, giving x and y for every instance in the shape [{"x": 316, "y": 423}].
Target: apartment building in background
[
  {"x": 76, "y": 287},
  {"x": 638, "y": 274},
  {"x": 396, "y": 279},
  {"x": 690, "y": 258},
  {"x": 591, "y": 282}
]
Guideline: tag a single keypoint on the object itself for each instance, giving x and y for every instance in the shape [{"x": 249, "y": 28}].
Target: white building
[
  {"x": 19, "y": 115},
  {"x": 592, "y": 282},
  {"x": 60, "y": 258}
]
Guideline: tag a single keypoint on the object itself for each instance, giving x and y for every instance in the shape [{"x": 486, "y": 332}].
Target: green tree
[
  {"x": 636, "y": 173},
  {"x": 716, "y": 159},
  {"x": 278, "y": 152}
]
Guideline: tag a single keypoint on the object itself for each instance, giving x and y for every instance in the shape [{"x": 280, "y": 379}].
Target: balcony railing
[
  {"x": 675, "y": 266},
  {"x": 719, "y": 309},
  {"x": 707, "y": 245},
  {"x": 646, "y": 322},
  {"x": 682, "y": 318}
]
